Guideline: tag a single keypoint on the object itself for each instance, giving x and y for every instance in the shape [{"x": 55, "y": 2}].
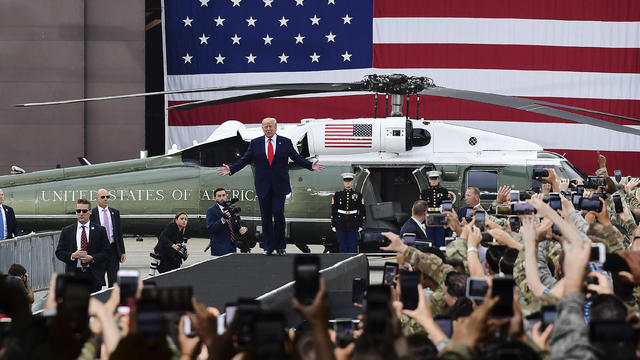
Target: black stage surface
[{"x": 268, "y": 278}]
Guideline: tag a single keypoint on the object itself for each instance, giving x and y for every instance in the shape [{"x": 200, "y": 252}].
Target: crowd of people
[{"x": 537, "y": 275}]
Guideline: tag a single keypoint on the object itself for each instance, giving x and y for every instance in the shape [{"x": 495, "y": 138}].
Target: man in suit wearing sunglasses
[{"x": 109, "y": 218}]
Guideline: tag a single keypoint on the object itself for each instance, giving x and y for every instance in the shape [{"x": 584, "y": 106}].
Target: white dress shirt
[
  {"x": 421, "y": 225},
  {"x": 101, "y": 217},
  {"x": 266, "y": 144},
  {"x": 87, "y": 230},
  {"x": 4, "y": 222}
]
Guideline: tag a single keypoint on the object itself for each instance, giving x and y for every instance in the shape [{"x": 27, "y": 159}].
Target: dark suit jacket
[
  {"x": 220, "y": 234},
  {"x": 96, "y": 213},
  {"x": 410, "y": 226},
  {"x": 274, "y": 177},
  {"x": 97, "y": 247},
  {"x": 12, "y": 225}
]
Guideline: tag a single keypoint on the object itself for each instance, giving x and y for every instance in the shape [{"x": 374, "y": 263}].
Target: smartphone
[
  {"x": 344, "y": 332},
  {"x": 230, "y": 313},
  {"x": 73, "y": 306},
  {"x": 592, "y": 204},
  {"x": 514, "y": 196},
  {"x": 246, "y": 312},
  {"x": 437, "y": 220},
  {"x": 575, "y": 200},
  {"x": 150, "y": 317},
  {"x": 477, "y": 288},
  {"x": 617, "y": 203},
  {"x": 618, "y": 175},
  {"x": 409, "y": 289},
  {"x": 522, "y": 208},
  {"x": 447, "y": 206},
  {"x": 187, "y": 328},
  {"x": 375, "y": 239},
  {"x": 409, "y": 239},
  {"x": 469, "y": 214},
  {"x": 515, "y": 223},
  {"x": 128, "y": 283},
  {"x": 176, "y": 298},
  {"x": 307, "y": 279},
  {"x": 378, "y": 311},
  {"x": 540, "y": 173},
  {"x": 445, "y": 324},
  {"x": 615, "y": 263},
  {"x": 503, "y": 289},
  {"x": 548, "y": 316},
  {"x": 357, "y": 290},
  {"x": 554, "y": 201},
  {"x": 480, "y": 217},
  {"x": 533, "y": 319},
  {"x": 598, "y": 253},
  {"x": 269, "y": 335},
  {"x": 503, "y": 210},
  {"x": 389, "y": 274}
]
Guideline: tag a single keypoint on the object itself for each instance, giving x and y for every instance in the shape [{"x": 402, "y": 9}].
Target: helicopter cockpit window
[
  {"x": 216, "y": 153},
  {"x": 486, "y": 181}
]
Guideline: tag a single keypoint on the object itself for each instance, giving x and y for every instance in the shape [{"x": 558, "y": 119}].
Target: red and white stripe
[
  {"x": 583, "y": 53},
  {"x": 341, "y": 136}
]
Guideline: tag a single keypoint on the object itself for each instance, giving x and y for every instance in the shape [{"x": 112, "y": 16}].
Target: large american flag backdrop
[{"x": 583, "y": 53}]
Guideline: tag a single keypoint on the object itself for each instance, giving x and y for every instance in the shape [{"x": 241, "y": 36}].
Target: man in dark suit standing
[
  {"x": 472, "y": 199},
  {"x": 109, "y": 218},
  {"x": 222, "y": 227},
  {"x": 84, "y": 246},
  {"x": 8, "y": 224},
  {"x": 269, "y": 154},
  {"x": 415, "y": 224}
]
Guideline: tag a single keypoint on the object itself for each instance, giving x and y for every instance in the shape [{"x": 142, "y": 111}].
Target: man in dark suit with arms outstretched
[
  {"x": 83, "y": 247},
  {"x": 269, "y": 154}
]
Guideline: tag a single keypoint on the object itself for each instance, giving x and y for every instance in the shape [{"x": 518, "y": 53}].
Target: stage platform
[{"x": 267, "y": 278}]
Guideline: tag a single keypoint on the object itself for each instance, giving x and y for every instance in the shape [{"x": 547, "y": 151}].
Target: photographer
[
  {"x": 170, "y": 244},
  {"x": 223, "y": 223}
]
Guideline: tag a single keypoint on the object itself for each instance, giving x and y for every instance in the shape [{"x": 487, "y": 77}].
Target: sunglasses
[
  {"x": 105, "y": 197},
  {"x": 84, "y": 211}
]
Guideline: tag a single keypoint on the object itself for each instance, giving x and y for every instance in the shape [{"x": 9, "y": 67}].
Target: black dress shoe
[
  {"x": 268, "y": 253},
  {"x": 281, "y": 252}
]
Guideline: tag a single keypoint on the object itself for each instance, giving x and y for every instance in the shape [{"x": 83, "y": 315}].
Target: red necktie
[
  {"x": 270, "y": 152},
  {"x": 83, "y": 243},
  {"x": 233, "y": 238}
]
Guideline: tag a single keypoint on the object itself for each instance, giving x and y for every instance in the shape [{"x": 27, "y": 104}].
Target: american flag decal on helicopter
[{"x": 348, "y": 135}]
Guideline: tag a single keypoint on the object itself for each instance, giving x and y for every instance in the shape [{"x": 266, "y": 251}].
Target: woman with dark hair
[{"x": 170, "y": 244}]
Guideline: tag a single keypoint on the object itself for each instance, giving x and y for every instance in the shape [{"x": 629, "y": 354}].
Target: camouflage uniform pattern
[
  {"x": 432, "y": 266},
  {"x": 520, "y": 279},
  {"x": 612, "y": 238},
  {"x": 457, "y": 249},
  {"x": 410, "y": 326},
  {"x": 570, "y": 335}
]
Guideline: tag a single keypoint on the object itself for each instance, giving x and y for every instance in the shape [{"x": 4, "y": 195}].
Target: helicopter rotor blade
[
  {"x": 313, "y": 87},
  {"x": 540, "y": 107},
  {"x": 239, "y": 98}
]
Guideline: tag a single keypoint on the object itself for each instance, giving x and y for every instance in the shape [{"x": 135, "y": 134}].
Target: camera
[
  {"x": 233, "y": 210},
  {"x": 182, "y": 250},
  {"x": 540, "y": 173}
]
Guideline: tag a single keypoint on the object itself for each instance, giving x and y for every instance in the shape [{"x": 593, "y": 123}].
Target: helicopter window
[
  {"x": 214, "y": 154},
  {"x": 420, "y": 137},
  {"x": 486, "y": 181}
]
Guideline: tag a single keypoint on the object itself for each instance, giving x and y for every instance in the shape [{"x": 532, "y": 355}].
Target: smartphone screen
[
  {"x": 187, "y": 328},
  {"x": 592, "y": 204},
  {"x": 554, "y": 201},
  {"x": 378, "y": 310},
  {"x": 477, "y": 288},
  {"x": 74, "y": 306},
  {"x": 575, "y": 200},
  {"x": 445, "y": 324},
  {"x": 437, "y": 220},
  {"x": 344, "y": 332},
  {"x": 357, "y": 290},
  {"x": 469, "y": 215},
  {"x": 177, "y": 298},
  {"x": 409, "y": 289},
  {"x": 447, "y": 206},
  {"x": 515, "y": 223},
  {"x": 549, "y": 315},
  {"x": 246, "y": 311},
  {"x": 479, "y": 214},
  {"x": 306, "y": 268},
  {"x": 409, "y": 239},
  {"x": 617, "y": 203},
  {"x": 269, "y": 335},
  {"x": 598, "y": 253},
  {"x": 230, "y": 313},
  {"x": 503, "y": 289},
  {"x": 128, "y": 283},
  {"x": 514, "y": 196},
  {"x": 390, "y": 271},
  {"x": 618, "y": 175},
  {"x": 522, "y": 208}
]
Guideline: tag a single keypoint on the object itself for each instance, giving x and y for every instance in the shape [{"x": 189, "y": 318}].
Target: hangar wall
[{"x": 60, "y": 49}]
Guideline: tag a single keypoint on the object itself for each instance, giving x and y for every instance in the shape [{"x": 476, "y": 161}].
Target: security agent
[
  {"x": 434, "y": 195},
  {"x": 347, "y": 214}
]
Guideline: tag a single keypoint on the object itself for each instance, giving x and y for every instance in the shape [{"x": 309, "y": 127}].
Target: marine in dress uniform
[
  {"x": 347, "y": 214},
  {"x": 434, "y": 195}
]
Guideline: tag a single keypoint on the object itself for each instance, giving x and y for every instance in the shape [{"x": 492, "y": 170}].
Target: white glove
[
  {"x": 334, "y": 229},
  {"x": 359, "y": 229}
]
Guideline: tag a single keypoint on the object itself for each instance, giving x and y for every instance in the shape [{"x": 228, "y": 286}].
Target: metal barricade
[{"x": 36, "y": 252}]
